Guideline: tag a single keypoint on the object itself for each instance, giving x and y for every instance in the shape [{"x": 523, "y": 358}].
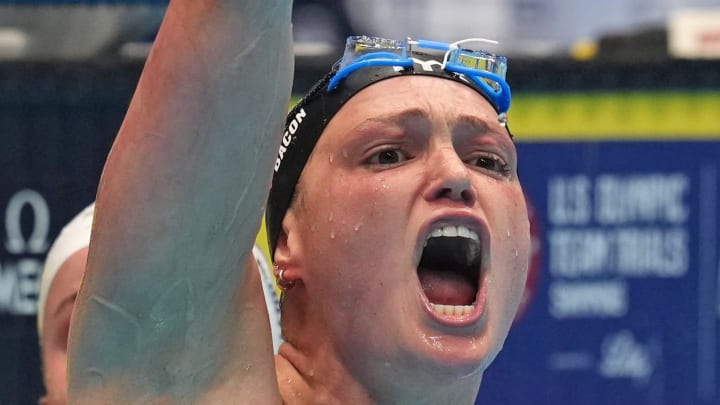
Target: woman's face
[
  {"x": 58, "y": 311},
  {"x": 411, "y": 161}
]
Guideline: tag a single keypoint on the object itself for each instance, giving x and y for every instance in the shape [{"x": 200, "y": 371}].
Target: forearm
[{"x": 182, "y": 193}]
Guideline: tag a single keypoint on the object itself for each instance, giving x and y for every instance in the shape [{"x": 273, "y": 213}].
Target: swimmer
[{"x": 396, "y": 221}]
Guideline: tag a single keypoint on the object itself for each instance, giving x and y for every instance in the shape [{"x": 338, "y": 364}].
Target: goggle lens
[
  {"x": 357, "y": 47},
  {"x": 480, "y": 60}
]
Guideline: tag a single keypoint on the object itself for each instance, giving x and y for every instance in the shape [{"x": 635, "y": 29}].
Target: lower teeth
[{"x": 452, "y": 309}]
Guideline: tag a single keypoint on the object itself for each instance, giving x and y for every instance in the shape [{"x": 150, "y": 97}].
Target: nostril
[
  {"x": 467, "y": 195},
  {"x": 456, "y": 193},
  {"x": 444, "y": 193}
]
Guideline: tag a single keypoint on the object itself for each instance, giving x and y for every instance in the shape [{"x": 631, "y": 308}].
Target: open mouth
[{"x": 449, "y": 269}]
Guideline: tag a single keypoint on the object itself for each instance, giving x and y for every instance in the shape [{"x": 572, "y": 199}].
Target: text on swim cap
[{"x": 288, "y": 136}]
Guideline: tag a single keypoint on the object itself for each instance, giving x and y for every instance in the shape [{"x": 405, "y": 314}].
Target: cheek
[
  {"x": 356, "y": 224},
  {"x": 510, "y": 211},
  {"x": 512, "y": 245},
  {"x": 353, "y": 205}
]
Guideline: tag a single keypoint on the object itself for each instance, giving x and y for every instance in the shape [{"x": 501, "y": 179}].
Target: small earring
[{"x": 283, "y": 283}]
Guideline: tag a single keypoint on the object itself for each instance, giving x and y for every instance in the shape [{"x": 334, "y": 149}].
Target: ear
[{"x": 288, "y": 252}]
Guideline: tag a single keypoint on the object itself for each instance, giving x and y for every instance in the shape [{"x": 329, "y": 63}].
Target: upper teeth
[{"x": 453, "y": 231}]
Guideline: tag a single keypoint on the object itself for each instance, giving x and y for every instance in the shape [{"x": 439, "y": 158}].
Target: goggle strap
[
  {"x": 366, "y": 61},
  {"x": 500, "y": 96},
  {"x": 439, "y": 46}
]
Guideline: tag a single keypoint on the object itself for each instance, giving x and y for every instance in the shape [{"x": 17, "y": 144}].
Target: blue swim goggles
[{"x": 486, "y": 70}]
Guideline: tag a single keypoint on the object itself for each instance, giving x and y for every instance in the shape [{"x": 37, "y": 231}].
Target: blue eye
[{"x": 387, "y": 157}]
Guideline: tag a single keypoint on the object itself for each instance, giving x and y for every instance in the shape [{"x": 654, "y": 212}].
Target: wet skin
[{"x": 401, "y": 156}]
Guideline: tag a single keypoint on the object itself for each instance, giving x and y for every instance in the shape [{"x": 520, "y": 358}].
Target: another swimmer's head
[
  {"x": 60, "y": 283},
  {"x": 397, "y": 218}
]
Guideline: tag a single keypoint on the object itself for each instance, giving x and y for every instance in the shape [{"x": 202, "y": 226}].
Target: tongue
[{"x": 446, "y": 287}]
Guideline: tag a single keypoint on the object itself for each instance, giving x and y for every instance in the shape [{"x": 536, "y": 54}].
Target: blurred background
[{"x": 616, "y": 113}]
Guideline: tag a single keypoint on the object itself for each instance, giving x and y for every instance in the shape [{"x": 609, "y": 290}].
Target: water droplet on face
[
  {"x": 502, "y": 118},
  {"x": 332, "y": 234},
  {"x": 330, "y": 217},
  {"x": 330, "y": 158},
  {"x": 508, "y": 234},
  {"x": 517, "y": 253},
  {"x": 345, "y": 153},
  {"x": 385, "y": 187},
  {"x": 356, "y": 227}
]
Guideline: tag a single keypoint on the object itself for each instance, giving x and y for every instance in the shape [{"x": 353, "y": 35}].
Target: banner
[{"x": 623, "y": 303}]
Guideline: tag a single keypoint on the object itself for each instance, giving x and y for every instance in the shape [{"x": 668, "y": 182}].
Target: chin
[{"x": 455, "y": 356}]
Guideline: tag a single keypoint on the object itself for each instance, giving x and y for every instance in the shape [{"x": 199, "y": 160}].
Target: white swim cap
[{"x": 73, "y": 237}]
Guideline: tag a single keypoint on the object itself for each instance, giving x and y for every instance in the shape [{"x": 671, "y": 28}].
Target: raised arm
[{"x": 171, "y": 307}]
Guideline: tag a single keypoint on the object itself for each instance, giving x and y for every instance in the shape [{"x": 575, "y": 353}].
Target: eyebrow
[
  {"x": 474, "y": 122},
  {"x": 401, "y": 120}
]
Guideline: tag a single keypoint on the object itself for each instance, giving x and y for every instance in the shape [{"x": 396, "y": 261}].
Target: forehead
[{"x": 435, "y": 97}]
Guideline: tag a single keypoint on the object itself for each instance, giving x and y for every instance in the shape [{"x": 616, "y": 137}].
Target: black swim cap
[{"x": 308, "y": 119}]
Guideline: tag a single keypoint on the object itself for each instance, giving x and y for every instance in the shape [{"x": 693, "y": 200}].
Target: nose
[{"x": 450, "y": 178}]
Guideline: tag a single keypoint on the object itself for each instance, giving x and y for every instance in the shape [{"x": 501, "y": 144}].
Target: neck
[{"x": 318, "y": 376}]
